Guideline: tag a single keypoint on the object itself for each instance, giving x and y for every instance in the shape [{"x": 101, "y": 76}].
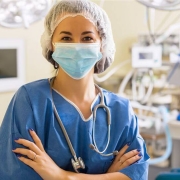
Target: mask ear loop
[
  {"x": 56, "y": 65},
  {"x": 101, "y": 50}
]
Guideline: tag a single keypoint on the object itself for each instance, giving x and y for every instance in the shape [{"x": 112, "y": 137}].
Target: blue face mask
[{"x": 77, "y": 59}]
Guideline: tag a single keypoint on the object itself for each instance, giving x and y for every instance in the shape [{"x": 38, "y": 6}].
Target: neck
[{"x": 75, "y": 90}]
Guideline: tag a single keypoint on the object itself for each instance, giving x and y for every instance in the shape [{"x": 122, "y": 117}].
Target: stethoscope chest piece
[{"x": 77, "y": 164}]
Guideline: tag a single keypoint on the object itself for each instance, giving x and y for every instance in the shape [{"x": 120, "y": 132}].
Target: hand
[
  {"x": 38, "y": 159},
  {"x": 124, "y": 160}
]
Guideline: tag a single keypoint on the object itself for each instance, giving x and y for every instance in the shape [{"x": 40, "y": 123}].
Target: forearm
[{"x": 79, "y": 176}]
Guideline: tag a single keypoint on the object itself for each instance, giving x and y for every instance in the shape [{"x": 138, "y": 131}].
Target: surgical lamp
[
  {"x": 167, "y": 5},
  {"x": 18, "y": 13}
]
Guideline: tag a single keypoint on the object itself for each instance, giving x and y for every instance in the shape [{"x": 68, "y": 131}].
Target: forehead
[{"x": 77, "y": 23}]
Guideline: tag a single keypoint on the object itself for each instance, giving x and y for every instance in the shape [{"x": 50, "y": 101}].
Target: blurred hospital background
[{"x": 146, "y": 69}]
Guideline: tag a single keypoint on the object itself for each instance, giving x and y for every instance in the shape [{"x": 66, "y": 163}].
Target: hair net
[{"x": 92, "y": 12}]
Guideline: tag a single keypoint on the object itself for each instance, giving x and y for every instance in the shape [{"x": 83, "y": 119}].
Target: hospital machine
[
  {"x": 174, "y": 174},
  {"x": 146, "y": 59},
  {"x": 12, "y": 65},
  {"x": 149, "y": 57}
]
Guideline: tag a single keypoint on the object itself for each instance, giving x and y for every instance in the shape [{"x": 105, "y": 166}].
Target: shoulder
[
  {"x": 113, "y": 99},
  {"x": 34, "y": 87},
  {"x": 39, "y": 84},
  {"x": 32, "y": 91}
]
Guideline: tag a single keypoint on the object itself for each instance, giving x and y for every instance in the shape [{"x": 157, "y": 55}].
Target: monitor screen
[
  {"x": 12, "y": 64},
  {"x": 8, "y": 63},
  {"x": 143, "y": 56}
]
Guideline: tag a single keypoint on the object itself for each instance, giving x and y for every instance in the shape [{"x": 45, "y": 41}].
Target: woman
[{"x": 78, "y": 42}]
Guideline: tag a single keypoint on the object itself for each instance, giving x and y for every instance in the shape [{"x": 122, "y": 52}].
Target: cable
[
  {"x": 150, "y": 88},
  {"x": 163, "y": 21},
  {"x": 164, "y": 85},
  {"x": 124, "y": 82},
  {"x": 167, "y": 33},
  {"x": 152, "y": 37},
  {"x": 134, "y": 91},
  {"x": 168, "y": 151},
  {"x": 171, "y": 24},
  {"x": 111, "y": 72}
]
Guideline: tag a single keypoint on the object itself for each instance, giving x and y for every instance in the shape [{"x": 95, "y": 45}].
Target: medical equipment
[
  {"x": 16, "y": 13},
  {"x": 78, "y": 163},
  {"x": 141, "y": 90},
  {"x": 167, "y": 33},
  {"x": 110, "y": 73},
  {"x": 174, "y": 174},
  {"x": 167, "y": 5},
  {"x": 160, "y": 5},
  {"x": 170, "y": 43},
  {"x": 161, "y": 112},
  {"x": 174, "y": 74},
  {"x": 146, "y": 56},
  {"x": 12, "y": 64}
]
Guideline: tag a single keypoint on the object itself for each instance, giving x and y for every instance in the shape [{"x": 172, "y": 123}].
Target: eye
[
  {"x": 66, "y": 38},
  {"x": 87, "y": 38}
]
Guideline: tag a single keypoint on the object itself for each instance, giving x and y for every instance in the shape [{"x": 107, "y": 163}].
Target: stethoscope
[{"x": 78, "y": 163}]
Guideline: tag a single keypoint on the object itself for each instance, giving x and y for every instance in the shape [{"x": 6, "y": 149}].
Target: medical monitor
[
  {"x": 146, "y": 56},
  {"x": 12, "y": 64}
]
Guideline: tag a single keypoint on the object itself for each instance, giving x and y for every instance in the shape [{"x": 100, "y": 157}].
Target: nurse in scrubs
[{"x": 78, "y": 42}]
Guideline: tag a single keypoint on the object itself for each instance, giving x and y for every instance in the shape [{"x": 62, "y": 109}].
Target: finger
[
  {"x": 129, "y": 155},
  {"x": 132, "y": 160},
  {"x": 28, "y": 162},
  {"x": 29, "y": 144},
  {"x": 36, "y": 139},
  {"x": 30, "y": 154},
  {"x": 121, "y": 152}
]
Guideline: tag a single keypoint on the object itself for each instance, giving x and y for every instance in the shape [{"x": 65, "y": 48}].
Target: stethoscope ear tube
[
  {"x": 94, "y": 145},
  {"x": 107, "y": 111}
]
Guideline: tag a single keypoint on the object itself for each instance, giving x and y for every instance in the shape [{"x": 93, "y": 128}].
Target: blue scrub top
[{"x": 31, "y": 107}]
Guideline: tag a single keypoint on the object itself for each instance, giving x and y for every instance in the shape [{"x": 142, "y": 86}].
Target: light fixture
[
  {"x": 169, "y": 5},
  {"x": 18, "y": 13}
]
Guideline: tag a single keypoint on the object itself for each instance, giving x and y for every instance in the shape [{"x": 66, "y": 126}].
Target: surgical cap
[{"x": 92, "y": 12}]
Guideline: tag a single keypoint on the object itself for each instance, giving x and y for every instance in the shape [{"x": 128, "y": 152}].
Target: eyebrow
[
  {"x": 66, "y": 32},
  {"x": 87, "y": 32}
]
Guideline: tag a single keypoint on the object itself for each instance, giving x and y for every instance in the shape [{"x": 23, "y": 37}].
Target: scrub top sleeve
[
  {"x": 138, "y": 170},
  {"x": 17, "y": 120}
]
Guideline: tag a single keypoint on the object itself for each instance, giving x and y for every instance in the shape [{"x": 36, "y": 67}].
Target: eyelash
[
  {"x": 84, "y": 39},
  {"x": 89, "y": 38},
  {"x": 66, "y": 39}
]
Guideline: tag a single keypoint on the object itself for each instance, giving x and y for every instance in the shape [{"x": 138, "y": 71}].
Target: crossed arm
[{"x": 40, "y": 161}]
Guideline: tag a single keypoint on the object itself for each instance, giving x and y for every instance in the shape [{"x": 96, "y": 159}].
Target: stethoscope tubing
[
  {"x": 94, "y": 147},
  {"x": 62, "y": 126}
]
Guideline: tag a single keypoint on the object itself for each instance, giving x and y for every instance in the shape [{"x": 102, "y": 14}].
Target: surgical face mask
[{"x": 77, "y": 59}]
